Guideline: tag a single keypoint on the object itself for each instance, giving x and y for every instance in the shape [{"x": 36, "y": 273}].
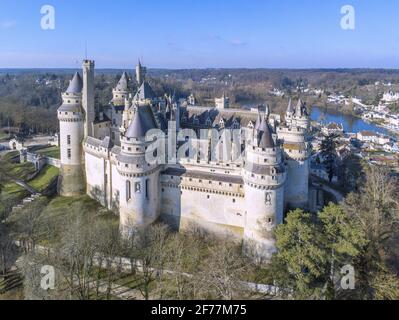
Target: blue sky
[{"x": 200, "y": 34}]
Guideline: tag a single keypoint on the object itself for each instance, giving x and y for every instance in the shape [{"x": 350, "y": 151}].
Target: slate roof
[
  {"x": 142, "y": 122},
  {"x": 145, "y": 92},
  {"x": 76, "y": 84},
  {"x": 123, "y": 84}
]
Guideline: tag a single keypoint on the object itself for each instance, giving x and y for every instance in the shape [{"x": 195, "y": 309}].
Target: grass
[
  {"x": 21, "y": 171},
  {"x": 9, "y": 156},
  {"x": 51, "y": 152},
  {"x": 44, "y": 178},
  {"x": 11, "y": 195},
  {"x": 60, "y": 208}
]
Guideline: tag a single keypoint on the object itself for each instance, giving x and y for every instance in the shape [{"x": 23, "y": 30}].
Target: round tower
[
  {"x": 264, "y": 179},
  {"x": 139, "y": 194},
  {"x": 294, "y": 137},
  {"x": 121, "y": 91},
  {"x": 71, "y": 119}
]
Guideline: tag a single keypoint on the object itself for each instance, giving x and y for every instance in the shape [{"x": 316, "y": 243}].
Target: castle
[{"x": 105, "y": 152}]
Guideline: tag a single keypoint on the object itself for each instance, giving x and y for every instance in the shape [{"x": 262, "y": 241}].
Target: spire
[
  {"x": 76, "y": 84},
  {"x": 258, "y": 120},
  {"x": 299, "y": 108},
  {"x": 123, "y": 83},
  {"x": 290, "y": 109},
  {"x": 265, "y": 139}
]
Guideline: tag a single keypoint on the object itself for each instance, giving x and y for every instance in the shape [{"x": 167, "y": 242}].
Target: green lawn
[
  {"x": 20, "y": 171},
  {"x": 60, "y": 209},
  {"x": 51, "y": 152},
  {"x": 44, "y": 178},
  {"x": 7, "y": 157}
]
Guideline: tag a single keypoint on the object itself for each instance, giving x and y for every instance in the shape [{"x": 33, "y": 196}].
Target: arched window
[{"x": 128, "y": 190}]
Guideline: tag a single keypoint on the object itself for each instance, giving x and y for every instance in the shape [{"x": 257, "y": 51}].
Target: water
[{"x": 349, "y": 122}]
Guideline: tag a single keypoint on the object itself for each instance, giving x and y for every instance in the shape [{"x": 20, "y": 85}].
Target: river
[{"x": 349, "y": 122}]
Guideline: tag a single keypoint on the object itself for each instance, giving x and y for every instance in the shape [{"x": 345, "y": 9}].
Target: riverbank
[{"x": 350, "y": 123}]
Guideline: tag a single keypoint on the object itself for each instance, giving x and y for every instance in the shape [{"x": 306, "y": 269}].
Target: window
[
  {"x": 268, "y": 198},
  {"x": 128, "y": 191},
  {"x": 147, "y": 189},
  {"x": 137, "y": 187},
  {"x": 69, "y": 153},
  {"x": 68, "y": 140}
]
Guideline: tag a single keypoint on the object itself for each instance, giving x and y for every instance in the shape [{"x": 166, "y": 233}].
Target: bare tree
[
  {"x": 6, "y": 249},
  {"x": 108, "y": 256},
  {"x": 221, "y": 272}
]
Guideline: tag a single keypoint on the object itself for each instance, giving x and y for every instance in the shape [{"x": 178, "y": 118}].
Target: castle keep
[{"x": 104, "y": 153}]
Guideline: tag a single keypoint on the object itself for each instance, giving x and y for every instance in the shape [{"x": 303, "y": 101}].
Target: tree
[
  {"x": 375, "y": 210},
  {"x": 109, "y": 250},
  {"x": 312, "y": 250},
  {"x": 301, "y": 261},
  {"x": 220, "y": 274},
  {"x": 147, "y": 252},
  {"x": 6, "y": 249},
  {"x": 343, "y": 240},
  {"x": 28, "y": 224},
  {"x": 327, "y": 150}
]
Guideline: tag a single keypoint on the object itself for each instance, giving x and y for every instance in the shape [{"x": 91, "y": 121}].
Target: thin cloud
[
  {"x": 8, "y": 24},
  {"x": 238, "y": 42}
]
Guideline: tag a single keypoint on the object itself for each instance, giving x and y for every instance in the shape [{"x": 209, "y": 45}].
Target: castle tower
[
  {"x": 223, "y": 102},
  {"x": 140, "y": 73},
  {"x": 121, "y": 91},
  {"x": 264, "y": 178},
  {"x": 71, "y": 119},
  {"x": 301, "y": 117},
  {"x": 294, "y": 136},
  {"x": 289, "y": 113},
  {"x": 139, "y": 194},
  {"x": 88, "y": 97}
]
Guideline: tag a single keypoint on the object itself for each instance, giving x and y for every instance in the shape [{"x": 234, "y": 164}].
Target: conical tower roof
[
  {"x": 123, "y": 84},
  {"x": 265, "y": 135},
  {"x": 258, "y": 121},
  {"x": 290, "y": 109},
  {"x": 76, "y": 84},
  {"x": 141, "y": 124},
  {"x": 298, "y": 109}
]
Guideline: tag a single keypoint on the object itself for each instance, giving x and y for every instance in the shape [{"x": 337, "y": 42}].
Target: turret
[
  {"x": 294, "y": 137},
  {"x": 140, "y": 74},
  {"x": 289, "y": 113},
  {"x": 121, "y": 91},
  {"x": 139, "y": 195},
  {"x": 88, "y": 97},
  {"x": 71, "y": 119},
  {"x": 301, "y": 116},
  {"x": 264, "y": 178}
]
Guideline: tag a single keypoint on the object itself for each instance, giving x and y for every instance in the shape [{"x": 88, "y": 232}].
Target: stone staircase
[{"x": 26, "y": 201}]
